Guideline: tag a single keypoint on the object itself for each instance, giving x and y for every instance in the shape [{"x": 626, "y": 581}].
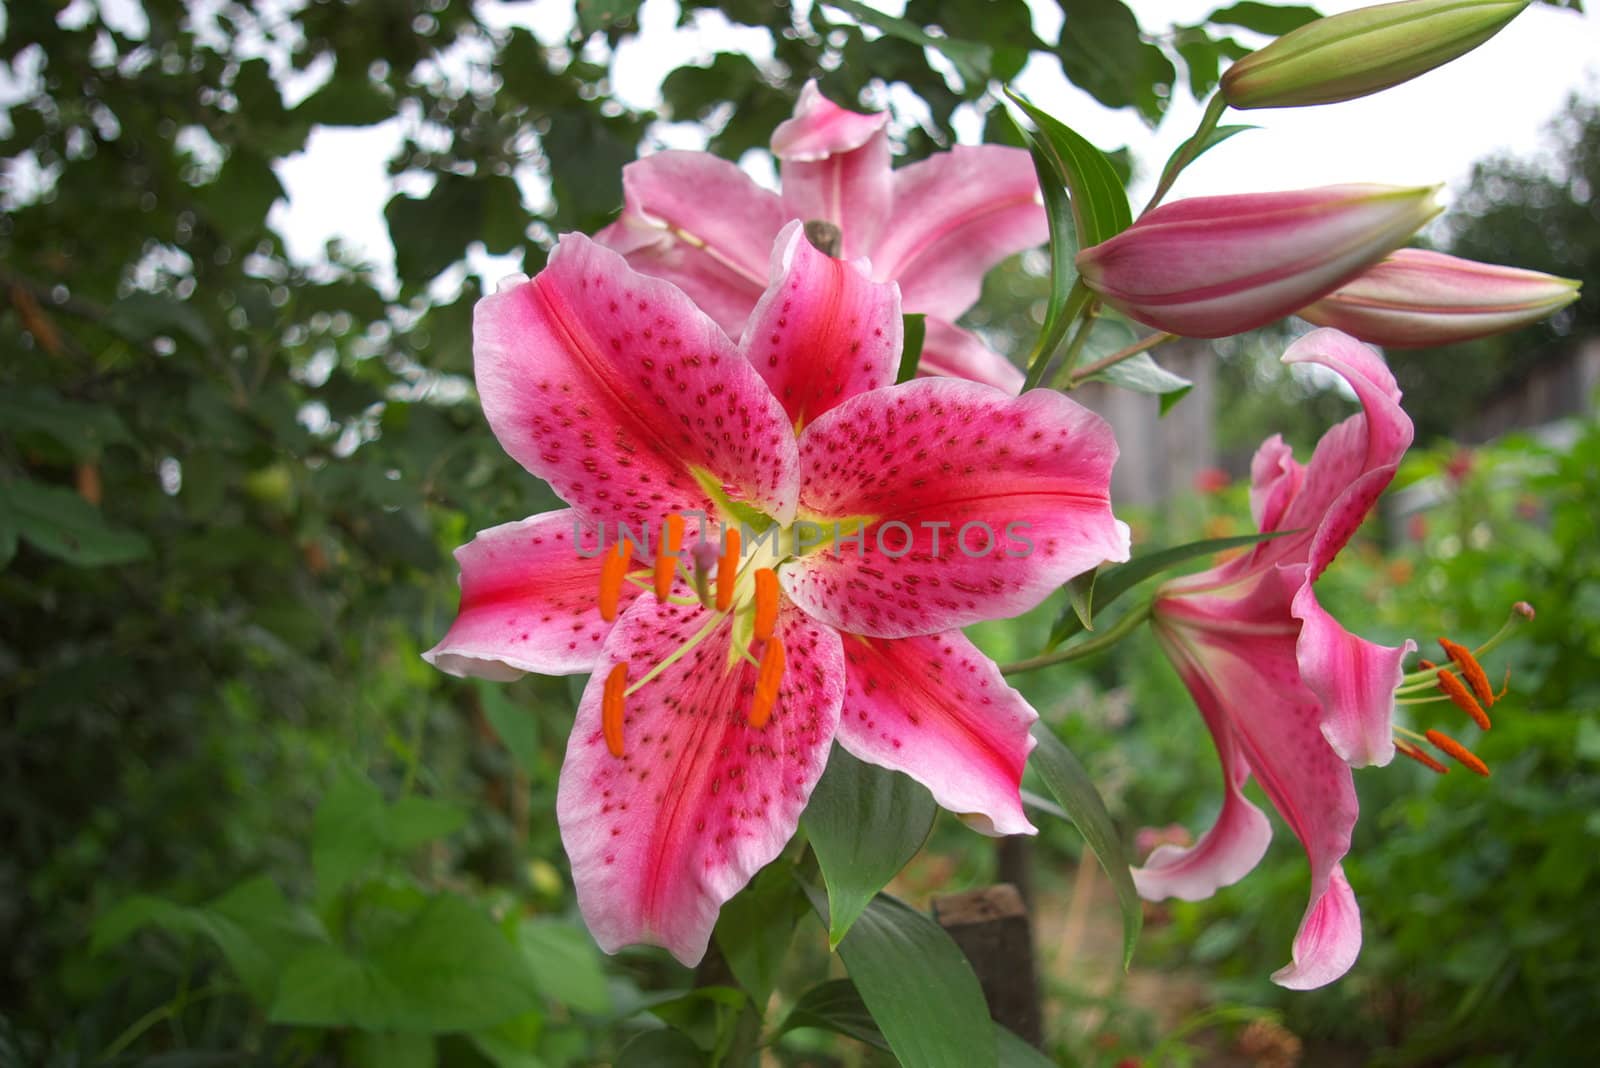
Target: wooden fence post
[{"x": 992, "y": 928}]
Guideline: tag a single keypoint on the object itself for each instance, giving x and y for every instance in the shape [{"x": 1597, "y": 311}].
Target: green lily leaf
[
  {"x": 1113, "y": 582},
  {"x": 864, "y": 823},
  {"x": 1065, "y": 778}
]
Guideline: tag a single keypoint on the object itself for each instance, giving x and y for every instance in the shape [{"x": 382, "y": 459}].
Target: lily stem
[
  {"x": 1099, "y": 644},
  {"x": 1091, "y": 312},
  {"x": 1142, "y": 345}
]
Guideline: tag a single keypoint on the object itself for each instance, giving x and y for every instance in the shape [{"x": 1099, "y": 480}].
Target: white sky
[{"x": 1429, "y": 130}]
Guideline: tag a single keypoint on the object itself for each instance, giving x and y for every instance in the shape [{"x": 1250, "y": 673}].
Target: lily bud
[
  {"x": 1416, "y": 299},
  {"x": 1364, "y": 51},
  {"x": 1214, "y": 266}
]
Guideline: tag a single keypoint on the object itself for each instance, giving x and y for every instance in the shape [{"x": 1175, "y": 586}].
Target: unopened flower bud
[
  {"x": 1364, "y": 51},
  {"x": 1213, "y": 266},
  {"x": 1416, "y": 298}
]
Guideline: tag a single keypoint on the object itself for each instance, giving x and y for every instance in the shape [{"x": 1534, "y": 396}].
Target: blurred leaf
[
  {"x": 348, "y": 99},
  {"x": 755, "y": 927},
  {"x": 366, "y": 1049},
  {"x": 354, "y": 828},
  {"x": 1112, "y": 582},
  {"x": 1103, "y": 52},
  {"x": 972, "y": 61},
  {"x": 141, "y": 317},
  {"x": 433, "y": 232},
  {"x": 1080, "y": 598},
  {"x": 254, "y": 927},
  {"x": 916, "y": 329},
  {"x": 565, "y": 964},
  {"x": 835, "y": 1006},
  {"x": 661, "y": 1049},
  {"x": 864, "y": 823},
  {"x": 57, "y": 521},
  {"x": 516, "y": 726},
  {"x": 1274, "y": 20},
  {"x": 449, "y": 969},
  {"x": 84, "y": 430},
  {"x": 1142, "y": 374},
  {"x": 597, "y": 15},
  {"x": 1071, "y": 786},
  {"x": 920, "y": 990}
]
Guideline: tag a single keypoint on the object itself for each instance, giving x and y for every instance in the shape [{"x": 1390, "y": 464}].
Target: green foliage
[{"x": 864, "y": 823}]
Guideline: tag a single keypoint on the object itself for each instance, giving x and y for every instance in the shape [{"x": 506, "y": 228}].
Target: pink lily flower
[
  {"x": 935, "y": 227},
  {"x": 1288, "y": 694},
  {"x": 1214, "y": 266},
  {"x": 1416, "y": 298},
  {"x": 708, "y": 718}
]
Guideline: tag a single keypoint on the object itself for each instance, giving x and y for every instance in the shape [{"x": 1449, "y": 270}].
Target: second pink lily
[
  {"x": 1289, "y": 695},
  {"x": 935, "y": 227}
]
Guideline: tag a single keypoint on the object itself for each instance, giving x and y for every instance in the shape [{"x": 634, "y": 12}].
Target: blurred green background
[{"x": 243, "y": 823}]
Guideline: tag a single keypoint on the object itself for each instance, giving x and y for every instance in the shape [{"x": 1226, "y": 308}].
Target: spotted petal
[
  {"x": 823, "y": 332},
  {"x": 702, "y": 224},
  {"x": 701, "y": 800},
  {"x": 937, "y": 709},
  {"x": 613, "y": 387},
  {"x": 977, "y": 505},
  {"x": 528, "y": 601},
  {"x": 957, "y": 214}
]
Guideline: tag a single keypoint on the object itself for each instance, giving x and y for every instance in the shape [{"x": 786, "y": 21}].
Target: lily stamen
[
  {"x": 1471, "y": 670},
  {"x": 667, "y": 555},
  {"x": 1463, "y": 756},
  {"x": 767, "y": 680},
  {"x": 612, "y": 571},
  {"x": 766, "y": 603},
  {"x": 1459, "y": 695},
  {"x": 1405, "y": 748},
  {"x": 611, "y": 708}
]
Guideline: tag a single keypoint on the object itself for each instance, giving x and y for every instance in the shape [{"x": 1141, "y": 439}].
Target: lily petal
[
  {"x": 1252, "y": 679},
  {"x": 1356, "y": 460},
  {"x": 527, "y": 602},
  {"x": 612, "y": 386},
  {"x": 662, "y": 836},
  {"x": 823, "y": 331},
  {"x": 937, "y": 709},
  {"x": 921, "y": 462},
  {"x": 1238, "y": 840},
  {"x": 957, "y": 214},
  {"x": 835, "y": 168},
  {"x": 1353, "y": 678},
  {"x": 951, "y": 352},
  {"x": 702, "y": 224}
]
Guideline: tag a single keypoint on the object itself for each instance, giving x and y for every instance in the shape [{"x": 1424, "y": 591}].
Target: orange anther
[
  {"x": 1471, "y": 670},
  {"x": 766, "y": 603},
  {"x": 1466, "y": 757},
  {"x": 1407, "y": 749},
  {"x": 768, "y": 677},
  {"x": 611, "y": 708},
  {"x": 1457, "y": 691},
  {"x": 667, "y": 555},
  {"x": 613, "y": 569},
  {"x": 727, "y": 568}
]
